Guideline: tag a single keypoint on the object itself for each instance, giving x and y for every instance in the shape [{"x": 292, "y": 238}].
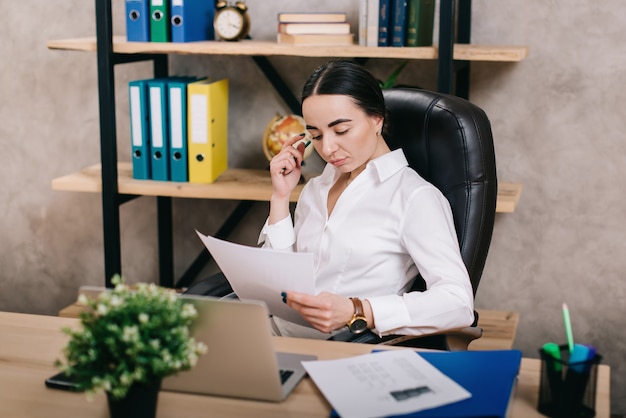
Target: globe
[{"x": 281, "y": 129}]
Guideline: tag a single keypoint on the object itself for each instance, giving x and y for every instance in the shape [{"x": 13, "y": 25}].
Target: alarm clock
[{"x": 231, "y": 22}]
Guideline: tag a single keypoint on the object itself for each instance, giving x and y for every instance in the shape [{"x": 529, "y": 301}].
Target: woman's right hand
[{"x": 285, "y": 167}]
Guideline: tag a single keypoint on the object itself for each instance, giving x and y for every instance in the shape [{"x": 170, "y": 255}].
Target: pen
[
  {"x": 306, "y": 144},
  {"x": 568, "y": 328}
]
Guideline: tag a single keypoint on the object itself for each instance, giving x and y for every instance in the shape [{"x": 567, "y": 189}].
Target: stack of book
[
  {"x": 312, "y": 28},
  {"x": 396, "y": 22}
]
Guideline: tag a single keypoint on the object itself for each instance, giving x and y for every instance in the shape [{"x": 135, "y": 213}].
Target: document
[
  {"x": 383, "y": 383},
  {"x": 263, "y": 273}
]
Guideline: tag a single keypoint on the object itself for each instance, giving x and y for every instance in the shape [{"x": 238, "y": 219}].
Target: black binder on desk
[{"x": 489, "y": 376}]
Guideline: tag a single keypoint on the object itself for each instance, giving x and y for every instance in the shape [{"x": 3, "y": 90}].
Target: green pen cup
[{"x": 567, "y": 390}]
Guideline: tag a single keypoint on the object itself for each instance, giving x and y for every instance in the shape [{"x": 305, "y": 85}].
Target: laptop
[{"x": 241, "y": 360}]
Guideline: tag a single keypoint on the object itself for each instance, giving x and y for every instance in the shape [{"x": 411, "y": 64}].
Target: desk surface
[{"x": 30, "y": 344}]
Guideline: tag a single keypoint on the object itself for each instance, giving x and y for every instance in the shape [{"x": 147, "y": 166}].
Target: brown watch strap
[{"x": 358, "y": 307}]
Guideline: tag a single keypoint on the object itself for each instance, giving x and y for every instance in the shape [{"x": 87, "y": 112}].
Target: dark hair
[{"x": 347, "y": 78}]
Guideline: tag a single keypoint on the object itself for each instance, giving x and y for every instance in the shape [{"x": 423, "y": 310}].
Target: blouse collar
[{"x": 384, "y": 166}]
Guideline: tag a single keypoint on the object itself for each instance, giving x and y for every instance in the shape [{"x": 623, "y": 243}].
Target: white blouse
[{"x": 387, "y": 225}]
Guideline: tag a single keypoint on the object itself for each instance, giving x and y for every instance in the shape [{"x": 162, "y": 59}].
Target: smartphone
[{"x": 63, "y": 382}]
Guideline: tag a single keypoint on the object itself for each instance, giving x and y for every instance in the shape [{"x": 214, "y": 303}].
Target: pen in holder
[{"x": 568, "y": 384}]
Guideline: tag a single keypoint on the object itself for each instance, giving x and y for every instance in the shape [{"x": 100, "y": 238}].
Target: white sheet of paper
[
  {"x": 383, "y": 383},
  {"x": 262, "y": 273}
]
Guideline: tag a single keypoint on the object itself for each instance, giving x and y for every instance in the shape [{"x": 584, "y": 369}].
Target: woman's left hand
[{"x": 326, "y": 311}]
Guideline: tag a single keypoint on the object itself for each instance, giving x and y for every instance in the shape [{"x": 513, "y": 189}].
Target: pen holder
[{"x": 567, "y": 390}]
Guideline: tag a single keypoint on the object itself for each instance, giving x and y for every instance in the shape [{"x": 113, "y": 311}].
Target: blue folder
[
  {"x": 140, "y": 128},
  {"x": 192, "y": 20},
  {"x": 177, "y": 96},
  {"x": 137, "y": 21},
  {"x": 159, "y": 132},
  {"x": 489, "y": 376}
]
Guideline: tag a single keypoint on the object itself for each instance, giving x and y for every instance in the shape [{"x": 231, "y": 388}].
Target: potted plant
[
  {"x": 130, "y": 339},
  {"x": 390, "y": 82}
]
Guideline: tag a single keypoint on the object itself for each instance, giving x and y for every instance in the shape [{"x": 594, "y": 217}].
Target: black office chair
[{"x": 448, "y": 141}]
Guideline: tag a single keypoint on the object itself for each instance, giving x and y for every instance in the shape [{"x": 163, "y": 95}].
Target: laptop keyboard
[{"x": 284, "y": 375}]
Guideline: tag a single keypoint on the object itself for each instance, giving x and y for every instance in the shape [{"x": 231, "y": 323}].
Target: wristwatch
[{"x": 358, "y": 323}]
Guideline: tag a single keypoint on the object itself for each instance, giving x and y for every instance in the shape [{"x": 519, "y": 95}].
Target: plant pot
[{"x": 140, "y": 402}]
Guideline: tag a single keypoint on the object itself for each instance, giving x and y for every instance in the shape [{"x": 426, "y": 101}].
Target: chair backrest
[{"x": 448, "y": 141}]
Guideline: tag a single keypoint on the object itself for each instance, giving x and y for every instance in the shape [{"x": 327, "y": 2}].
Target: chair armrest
[
  {"x": 453, "y": 340},
  {"x": 459, "y": 340},
  {"x": 215, "y": 285},
  {"x": 367, "y": 337}
]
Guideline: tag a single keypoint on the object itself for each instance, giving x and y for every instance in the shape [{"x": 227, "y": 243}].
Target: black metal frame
[
  {"x": 454, "y": 27},
  {"x": 452, "y": 76},
  {"x": 111, "y": 199}
]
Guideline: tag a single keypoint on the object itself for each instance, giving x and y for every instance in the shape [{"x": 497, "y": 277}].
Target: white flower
[
  {"x": 83, "y": 300},
  {"x": 130, "y": 334},
  {"x": 144, "y": 318},
  {"x": 106, "y": 385},
  {"x": 116, "y": 301},
  {"x": 201, "y": 348},
  {"x": 181, "y": 331},
  {"x": 192, "y": 359},
  {"x": 102, "y": 309},
  {"x": 189, "y": 311},
  {"x": 139, "y": 373},
  {"x": 125, "y": 379}
]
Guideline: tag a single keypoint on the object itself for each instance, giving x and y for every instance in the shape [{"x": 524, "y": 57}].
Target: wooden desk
[{"x": 30, "y": 343}]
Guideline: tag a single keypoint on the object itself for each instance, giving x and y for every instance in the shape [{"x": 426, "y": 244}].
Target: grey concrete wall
[{"x": 558, "y": 120}]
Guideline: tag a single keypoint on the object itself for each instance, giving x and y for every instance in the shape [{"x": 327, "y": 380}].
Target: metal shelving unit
[{"x": 452, "y": 75}]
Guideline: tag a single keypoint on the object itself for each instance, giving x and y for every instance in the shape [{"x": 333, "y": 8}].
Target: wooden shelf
[
  {"x": 508, "y": 196},
  {"x": 269, "y": 48},
  {"x": 235, "y": 184}
]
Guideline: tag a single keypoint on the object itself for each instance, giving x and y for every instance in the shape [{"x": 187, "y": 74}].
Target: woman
[{"x": 370, "y": 220}]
